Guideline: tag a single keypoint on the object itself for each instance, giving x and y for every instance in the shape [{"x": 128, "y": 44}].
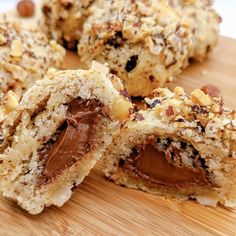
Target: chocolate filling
[
  {"x": 164, "y": 165},
  {"x": 73, "y": 140}
]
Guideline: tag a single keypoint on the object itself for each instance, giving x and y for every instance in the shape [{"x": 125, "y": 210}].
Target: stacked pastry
[
  {"x": 145, "y": 43},
  {"x": 26, "y": 54}
]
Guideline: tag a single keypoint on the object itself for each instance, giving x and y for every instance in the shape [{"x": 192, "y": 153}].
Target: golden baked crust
[
  {"x": 202, "y": 131},
  {"x": 144, "y": 42},
  {"x": 25, "y": 56},
  {"x": 30, "y": 128},
  {"x": 63, "y": 19},
  {"x": 203, "y": 22}
]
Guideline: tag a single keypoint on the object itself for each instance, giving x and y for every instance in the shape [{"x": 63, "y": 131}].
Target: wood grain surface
[{"x": 99, "y": 207}]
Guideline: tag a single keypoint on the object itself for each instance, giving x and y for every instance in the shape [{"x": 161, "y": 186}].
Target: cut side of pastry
[
  {"x": 26, "y": 54},
  {"x": 183, "y": 146},
  {"x": 52, "y": 139}
]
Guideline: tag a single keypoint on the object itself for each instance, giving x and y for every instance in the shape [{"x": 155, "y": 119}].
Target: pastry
[
  {"x": 203, "y": 22},
  {"x": 142, "y": 41},
  {"x": 146, "y": 43},
  {"x": 54, "y": 136},
  {"x": 63, "y": 19},
  {"x": 26, "y": 55},
  {"x": 183, "y": 146}
]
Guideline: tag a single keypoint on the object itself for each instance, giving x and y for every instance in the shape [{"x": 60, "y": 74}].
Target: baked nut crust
[
  {"x": 197, "y": 142},
  {"x": 26, "y": 54},
  {"x": 52, "y": 139},
  {"x": 145, "y": 43}
]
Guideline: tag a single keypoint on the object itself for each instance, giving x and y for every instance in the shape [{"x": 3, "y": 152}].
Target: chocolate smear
[
  {"x": 73, "y": 140},
  {"x": 164, "y": 167}
]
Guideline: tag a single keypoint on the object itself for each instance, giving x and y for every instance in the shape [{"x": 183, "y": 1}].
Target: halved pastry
[
  {"x": 184, "y": 146},
  {"x": 52, "y": 139}
]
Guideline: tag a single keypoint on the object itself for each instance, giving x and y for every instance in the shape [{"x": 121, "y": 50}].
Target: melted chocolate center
[
  {"x": 164, "y": 167},
  {"x": 73, "y": 139}
]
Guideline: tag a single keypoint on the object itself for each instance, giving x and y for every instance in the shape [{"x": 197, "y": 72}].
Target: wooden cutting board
[{"x": 99, "y": 207}]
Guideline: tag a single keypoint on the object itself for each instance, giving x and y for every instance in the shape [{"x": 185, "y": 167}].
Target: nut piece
[
  {"x": 170, "y": 111},
  {"x": 117, "y": 84},
  {"x": 66, "y": 3},
  {"x": 174, "y": 102},
  {"x": 16, "y": 48},
  {"x": 51, "y": 73},
  {"x": 54, "y": 45},
  {"x": 199, "y": 97},
  {"x": 25, "y": 8},
  {"x": 233, "y": 146},
  {"x": 158, "y": 110},
  {"x": 179, "y": 91},
  {"x": 103, "y": 68},
  {"x": 11, "y": 102},
  {"x": 2, "y": 115},
  {"x": 143, "y": 10},
  {"x": 188, "y": 2},
  {"x": 3, "y": 40},
  {"x": 211, "y": 90},
  {"x": 121, "y": 108}
]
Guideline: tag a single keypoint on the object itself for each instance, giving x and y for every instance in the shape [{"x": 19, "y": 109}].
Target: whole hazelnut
[{"x": 26, "y": 8}]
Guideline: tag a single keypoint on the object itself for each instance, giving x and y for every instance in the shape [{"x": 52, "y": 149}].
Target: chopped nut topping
[
  {"x": 179, "y": 91},
  {"x": 171, "y": 3},
  {"x": 174, "y": 102},
  {"x": 54, "y": 45},
  {"x": 199, "y": 97},
  {"x": 117, "y": 84},
  {"x": 188, "y": 2},
  {"x": 211, "y": 90},
  {"x": 125, "y": 94},
  {"x": 11, "y": 102},
  {"x": 66, "y": 3},
  {"x": 121, "y": 108},
  {"x": 216, "y": 108},
  {"x": 143, "y": 10},
  {"x": 138, "y": 116},
  {"x": 233, "y": 146},
  {"x": 17, "y": 48},
  {"x": 3, "y": 39},
  {"x": 2, "y": 115},
  {"x": 51, "y": 73},
  {"x": 170, "y": 111},
  {"x": 158, "y": 110},
  {"x": 100, "y": 67}
]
